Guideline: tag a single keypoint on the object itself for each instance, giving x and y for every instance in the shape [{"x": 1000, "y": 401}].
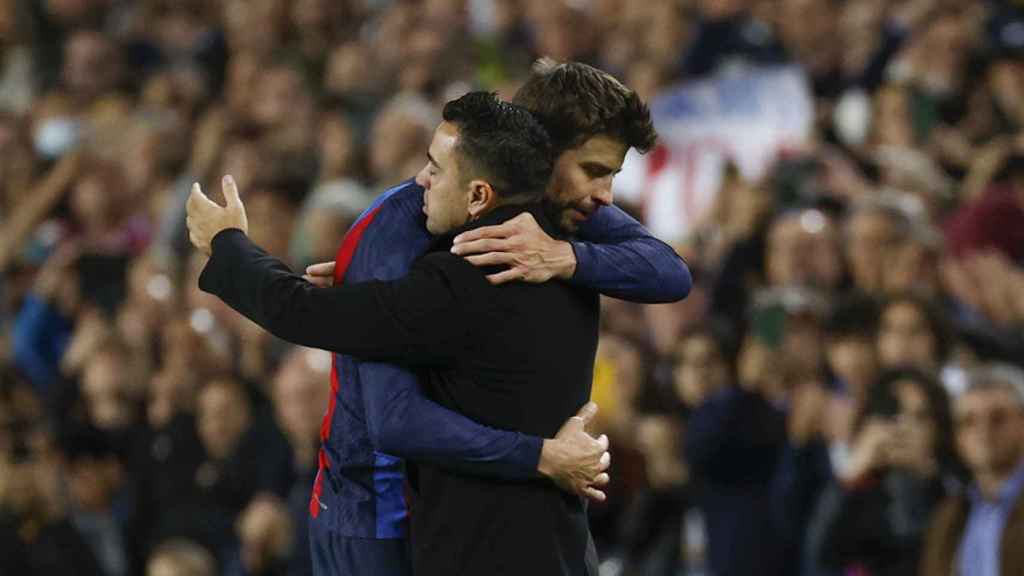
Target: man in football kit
[{"x": 377, "y": 411}]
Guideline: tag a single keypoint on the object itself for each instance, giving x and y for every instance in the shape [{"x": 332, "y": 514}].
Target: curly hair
[{"x": 575, "y": 102}]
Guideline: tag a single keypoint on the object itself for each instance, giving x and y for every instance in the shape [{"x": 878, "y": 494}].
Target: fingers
[
  {"x": 606, "y": 461},
  {"x": 507, "y": 276},
  {"x": 587, "y": 412},
  {"x": 318, "y": 281},
  {"x": 602, "y": 441},
  {"x": 321, "y": 269},
  {"x": 480, "y": 246},
  {"x": 320, "y": 275},
  {"x": 230, "y": 189},
  {"x": 574, "y": 423},
  {"x": 594, "y": 494},
  {"x": 491, "y": 259},
  {"x": 603, "y": 479},
  {"x": 195, "y": 241},
  {"x": 500, "y": 231},
  {"x": 197, "y": 197}
]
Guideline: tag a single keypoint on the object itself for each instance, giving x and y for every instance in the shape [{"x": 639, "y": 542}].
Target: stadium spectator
[
  {"x": 873, "y": 518},
  {"x": 181, "y": 558},
  {"x": 976, "y": 531}
]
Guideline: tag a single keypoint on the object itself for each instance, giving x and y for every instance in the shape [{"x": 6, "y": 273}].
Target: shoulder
[
  {"x": 401, "y": 202},
  {"x": 949, "y": 516},
  {"x": 467, "y": 282},
  {"x": 389, "y": 235},
  {"x": 451, "y": 266},
  {"x": 407, "y": 191}
]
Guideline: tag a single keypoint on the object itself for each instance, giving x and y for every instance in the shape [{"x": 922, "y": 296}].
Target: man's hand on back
[
  {"x": 520, "y": 243},
  {"x": 206, "y": 218},
  {"x": 575, "y": 460},
  {"x": 321, "y": 274}
]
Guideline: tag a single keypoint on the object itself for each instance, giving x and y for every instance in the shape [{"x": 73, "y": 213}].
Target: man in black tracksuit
[{"x": 516, "y": 356}]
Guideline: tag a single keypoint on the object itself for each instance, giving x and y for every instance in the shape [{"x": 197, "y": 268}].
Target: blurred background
[{"x": 844, "y": 177}]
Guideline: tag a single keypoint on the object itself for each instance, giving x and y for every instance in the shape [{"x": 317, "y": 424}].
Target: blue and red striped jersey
[{"x": 364, "y": 493}]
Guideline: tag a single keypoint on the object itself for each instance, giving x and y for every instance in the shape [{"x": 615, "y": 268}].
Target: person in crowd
[
  {"x": 873, "y": 517},
  {"x": 912, "y": 332},
  {"x": 978, "y": 531},
  {"x": 181, "y": 558}
]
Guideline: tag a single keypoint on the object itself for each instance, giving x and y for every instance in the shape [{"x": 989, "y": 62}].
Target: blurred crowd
[{"x": 840, "y": 394}]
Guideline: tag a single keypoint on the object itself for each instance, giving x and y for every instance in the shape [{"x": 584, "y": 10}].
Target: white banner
[{"x": 747, "y": 116}]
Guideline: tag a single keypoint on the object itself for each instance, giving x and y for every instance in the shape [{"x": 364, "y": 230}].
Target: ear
[{"x": 482, "y": 198}]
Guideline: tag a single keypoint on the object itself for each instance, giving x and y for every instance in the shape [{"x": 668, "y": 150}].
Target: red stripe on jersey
[{"x": 341, "y": 263}]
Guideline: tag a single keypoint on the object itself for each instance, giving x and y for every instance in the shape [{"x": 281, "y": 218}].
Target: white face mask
[{"x": 56, "y": 136}]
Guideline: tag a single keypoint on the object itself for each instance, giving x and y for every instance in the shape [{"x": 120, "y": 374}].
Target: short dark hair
[
  {"x": 937, "y": 321},
  {"x": 576, "y": 102},
  {"x": 852, "y": 316},
  {"x": 503, "y": 143}
]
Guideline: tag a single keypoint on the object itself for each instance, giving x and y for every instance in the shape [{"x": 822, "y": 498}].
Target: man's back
[{"x": 528, "y": 366}]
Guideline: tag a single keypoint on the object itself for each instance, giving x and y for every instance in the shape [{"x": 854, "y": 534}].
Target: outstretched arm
[
  {"x": 614, "y": 255},
  {"x": 415, "y": 321},
  {"x": 419, "y": 320}
]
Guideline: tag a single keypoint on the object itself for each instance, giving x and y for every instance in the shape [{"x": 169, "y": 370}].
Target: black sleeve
[{"x": 418, "y": 320}]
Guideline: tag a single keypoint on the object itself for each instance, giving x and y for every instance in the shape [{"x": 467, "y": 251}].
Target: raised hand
[
  {"x": 869, "y": 450},
  {"x": 206, "y": 218}
]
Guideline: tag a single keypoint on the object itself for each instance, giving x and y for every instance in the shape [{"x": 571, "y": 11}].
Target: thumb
[
  {"x": 320, "y": 269},
  {"x": 230, "y": 192},
  {"x": 197, "y": 196},
  {"x": 587, "y": 412}
]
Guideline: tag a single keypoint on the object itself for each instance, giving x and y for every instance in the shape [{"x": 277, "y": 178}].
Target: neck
[
  {"x": 500, "y": 203},
  {"x": 991, "y": 481},
  {"x": 989, "y": 484}
]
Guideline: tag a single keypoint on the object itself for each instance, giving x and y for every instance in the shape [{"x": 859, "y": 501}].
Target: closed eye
[{"x": 594, "y": 170}]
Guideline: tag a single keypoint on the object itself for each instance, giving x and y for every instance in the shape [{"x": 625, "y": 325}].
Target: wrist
[
  {"x": 222, "y": 234},
  {"x": 565, "y": 256},
  {"x": 546, "y": 465}
]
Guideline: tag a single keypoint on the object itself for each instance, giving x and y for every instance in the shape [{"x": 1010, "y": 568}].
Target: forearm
[
  {"x": 28, "y": 214},
  {"x": 618, "y": 257},
  {"x": 403, "y": 422},
  {"x": 347, "y": 319}
]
